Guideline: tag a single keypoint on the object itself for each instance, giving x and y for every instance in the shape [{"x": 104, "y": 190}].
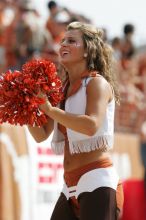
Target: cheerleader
[{"x": 83, "y": 128}]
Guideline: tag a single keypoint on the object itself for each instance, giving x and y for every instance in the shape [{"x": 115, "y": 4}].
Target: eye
[
  {"x": 62, "y": 41},
  {"x": 71, "y": 41},
  {"x": 68, "y": 41}
]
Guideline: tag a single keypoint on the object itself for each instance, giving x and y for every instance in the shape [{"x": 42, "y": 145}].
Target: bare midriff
[
  {"x": 77, "y": 160},
  {"x": 74, "y": 161}
]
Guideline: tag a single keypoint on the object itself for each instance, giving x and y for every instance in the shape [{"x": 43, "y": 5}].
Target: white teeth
[{"x": 65, "y": 52}]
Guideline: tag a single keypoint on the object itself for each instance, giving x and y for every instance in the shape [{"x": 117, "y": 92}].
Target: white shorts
[{"x": 91, "y": 180}]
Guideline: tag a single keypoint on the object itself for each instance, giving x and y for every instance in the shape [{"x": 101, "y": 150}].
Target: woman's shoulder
[
  {"x": 96, "y": 81},
  {"x": 99, "y": 85}
]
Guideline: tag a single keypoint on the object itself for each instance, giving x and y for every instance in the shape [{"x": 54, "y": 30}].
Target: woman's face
[{"x": 72, "y": 48}]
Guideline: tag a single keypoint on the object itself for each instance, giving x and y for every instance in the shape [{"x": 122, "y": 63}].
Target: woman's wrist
[
  {"x": 50, "y": 111},
  {"x": 49, "y": 107}
]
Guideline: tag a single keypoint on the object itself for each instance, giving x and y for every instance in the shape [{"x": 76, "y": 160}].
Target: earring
[
  {"x": 91, "y": 64},
  {"x": 85, "y": 55}
]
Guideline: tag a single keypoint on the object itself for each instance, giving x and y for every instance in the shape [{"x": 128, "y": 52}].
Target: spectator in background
[
  {"x": 2, "y": 39},
  {"x": 127, "y": 83},
  {"x": 141, "y": 84},
  {"x": 56, "y": 21},
  {"x": 116, "y": 45},
  {"x": 7, "y": 36},
  {"x": 24, "y": 48},
  {"x": 127, "y": 47}
]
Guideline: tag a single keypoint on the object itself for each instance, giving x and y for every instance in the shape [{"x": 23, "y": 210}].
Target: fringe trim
[
  {"x": 101, "y": 142},
  {"x": 58, "y": 147}
]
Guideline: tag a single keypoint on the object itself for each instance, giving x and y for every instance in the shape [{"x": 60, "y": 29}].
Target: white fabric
[
  {"x": 88, "y": 182},
  {"x": 79, "y": 142}
]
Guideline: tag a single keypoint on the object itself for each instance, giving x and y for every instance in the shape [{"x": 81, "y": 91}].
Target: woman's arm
[
  {"x": 41, "y": 133},
  {"x": 98, "y": 95}
]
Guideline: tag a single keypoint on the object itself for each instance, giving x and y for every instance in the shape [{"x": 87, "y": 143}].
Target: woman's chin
[{"x": 65, "y": 63}]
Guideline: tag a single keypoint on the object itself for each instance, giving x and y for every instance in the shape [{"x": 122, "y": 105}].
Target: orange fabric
[
  {"x": 120, "y": 196},
  {"x": 78, "y": 83},
  {"x": 72, "y": 177},
  {"x": 63, "y": 130}
]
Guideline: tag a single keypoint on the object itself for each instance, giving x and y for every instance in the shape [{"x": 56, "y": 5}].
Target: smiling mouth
[{"x": 65, "y": 53}]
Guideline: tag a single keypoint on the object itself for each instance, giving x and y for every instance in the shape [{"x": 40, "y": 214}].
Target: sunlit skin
[{"x": 99, "y": 94}]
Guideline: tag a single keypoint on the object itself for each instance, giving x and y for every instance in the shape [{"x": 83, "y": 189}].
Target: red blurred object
[
  {"x": 19, "y": 101},
  {"x": 134, "y": 200}
]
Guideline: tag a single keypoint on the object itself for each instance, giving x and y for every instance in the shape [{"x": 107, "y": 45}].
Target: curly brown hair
[{"x": 99, "y": 53}]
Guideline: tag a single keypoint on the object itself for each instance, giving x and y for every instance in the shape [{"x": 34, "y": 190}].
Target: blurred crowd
[{"x": 22, "y": 37}]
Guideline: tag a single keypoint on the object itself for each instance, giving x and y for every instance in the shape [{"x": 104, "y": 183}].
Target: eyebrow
[{"x": 68, "y": 37}]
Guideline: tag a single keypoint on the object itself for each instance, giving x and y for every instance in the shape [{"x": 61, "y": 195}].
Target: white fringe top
[{"x": 78, "y": 142}]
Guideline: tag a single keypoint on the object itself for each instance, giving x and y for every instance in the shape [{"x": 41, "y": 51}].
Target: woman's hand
[{"x": 46, "y": 107}]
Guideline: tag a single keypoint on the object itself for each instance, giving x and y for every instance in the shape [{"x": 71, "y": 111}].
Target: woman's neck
[{"x": 75, "y": 74}]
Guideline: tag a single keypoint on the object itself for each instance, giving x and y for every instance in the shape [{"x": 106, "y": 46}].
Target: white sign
[{"x": 46, "y": 173}]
